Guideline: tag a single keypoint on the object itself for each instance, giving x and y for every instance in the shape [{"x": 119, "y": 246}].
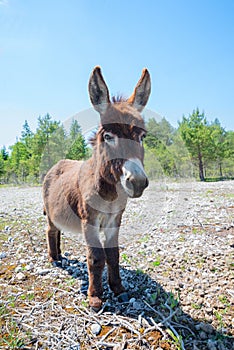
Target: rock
[
  {"x": 64, "y": 262},
  {"x": 137, "y": 305},
  {"x": 43, "y": 272},
  {"x": 18, "y": 269},
  {"x": 20, "y": 276},
  {"x": 96, "y": 328},
  {"x": 29, "y": 267},
  {"x": 132, "y": 300},
  {"x": 211, "y": 345},
  {"x": 203, "y": 335},
  {"x": 57, "y": 264},
  {"x": 3, "y": 255},
  {"x": 123, "y": 297},
  {"x": 75, "y": 347},
  {"x": 84, "y": 287}
]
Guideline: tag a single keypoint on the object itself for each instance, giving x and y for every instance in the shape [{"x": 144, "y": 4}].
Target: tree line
[
  {"x": 33, "y": 154},
  {"x": 196, "y": 148}
]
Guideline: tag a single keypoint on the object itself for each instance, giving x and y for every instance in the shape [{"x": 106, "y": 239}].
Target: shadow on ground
[{"x": 153, "y": 307}]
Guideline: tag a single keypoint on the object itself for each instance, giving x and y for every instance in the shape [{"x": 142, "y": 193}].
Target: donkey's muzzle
[{"x": 134, "y": 179}]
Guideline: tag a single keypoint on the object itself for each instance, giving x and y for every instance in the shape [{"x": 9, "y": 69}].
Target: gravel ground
[{"x": 176, "y": 248}]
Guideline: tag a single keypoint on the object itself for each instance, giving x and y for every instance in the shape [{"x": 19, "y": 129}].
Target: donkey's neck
[{"x": 106, "y": 190}]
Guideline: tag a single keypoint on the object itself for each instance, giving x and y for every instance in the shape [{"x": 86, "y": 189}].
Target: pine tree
[
  {"x": 196, "y": 135},
  {"x": 78, "y": 146}
]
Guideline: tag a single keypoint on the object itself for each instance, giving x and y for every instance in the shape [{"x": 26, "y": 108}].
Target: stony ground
[{"x": 177, "y": 249}]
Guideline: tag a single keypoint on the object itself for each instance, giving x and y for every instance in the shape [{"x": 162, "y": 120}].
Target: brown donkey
[{"x": 91, "y": 196}]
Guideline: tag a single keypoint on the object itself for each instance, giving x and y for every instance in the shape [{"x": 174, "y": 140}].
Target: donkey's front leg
[
  {"x": 111, "y": 249},
  {"x": 114, "y": 279},
  {"x": 96, "y": 262}
]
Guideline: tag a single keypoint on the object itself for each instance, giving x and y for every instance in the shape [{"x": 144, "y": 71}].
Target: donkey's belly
[
  {"x": 69, "y": 225},
  {"x": 65, "y": 219}
]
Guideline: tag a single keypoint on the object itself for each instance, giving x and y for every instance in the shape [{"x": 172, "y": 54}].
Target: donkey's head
[{"x": 118, "y": 143}]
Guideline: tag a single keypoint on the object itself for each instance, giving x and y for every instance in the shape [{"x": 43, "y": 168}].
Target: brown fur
[{"x": 89, "y": 196}]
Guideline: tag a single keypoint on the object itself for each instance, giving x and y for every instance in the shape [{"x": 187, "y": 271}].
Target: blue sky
[{"x": 48, "y": 49}]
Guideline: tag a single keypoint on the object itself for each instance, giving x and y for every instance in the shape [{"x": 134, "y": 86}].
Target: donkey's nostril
[
  {"x": 128, "y": 179},
  {"x": 129, "y": 182}
]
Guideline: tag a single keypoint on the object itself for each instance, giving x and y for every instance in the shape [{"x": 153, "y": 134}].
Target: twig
[
  {"x": 167, "y": 324},
  {"x": 107, "y": 334},
  {"x": 158, "y": 327}
]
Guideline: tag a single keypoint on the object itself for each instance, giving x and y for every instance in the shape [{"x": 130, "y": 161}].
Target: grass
[
  {"x": 144, "y": 239},
  {"x": 177, "y": 342},
  {"x": 196, "y": 306},
  {"x": 157, "y": 262},
  {"x": 172, "y": 301},
  {"x": 3, "y": 236},
  {"x": 11, "y": 336},
  {"x": 219, "y": 316},
  {"x": 223, "y": 299},
  {"x": 216, "y": 179},
  {"x": 71, "y": 281},
  {"x": 228, "y": 195},
  {"x": 125, "y": 258}
]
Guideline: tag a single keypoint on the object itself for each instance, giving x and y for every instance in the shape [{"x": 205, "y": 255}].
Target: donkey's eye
[{"x": 109, "y": 138}]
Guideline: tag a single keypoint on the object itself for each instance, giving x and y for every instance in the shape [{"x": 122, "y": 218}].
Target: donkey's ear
[
  {"x": 98, "y": 91},
  {"x": 141, "y": 93}
]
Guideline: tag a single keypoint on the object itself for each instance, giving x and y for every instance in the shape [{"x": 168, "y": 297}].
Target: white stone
[
  {"x": 3, "y": 255},
  {"x": 18, "y": 269},
  {"x": 43, "y": 272},
  {"x": 20, "y": 276},
  {"x": 22, "y": 261},
  {"x": 132, "y": 300},
  {"x": 29, "y": 267},
  {"x": 96, "y": 328}
]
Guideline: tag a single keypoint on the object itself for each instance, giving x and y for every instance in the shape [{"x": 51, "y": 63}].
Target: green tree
[
  {"x": 4, "y": 165},
  {"x": 158, "y": 140},
  {"x": 75, "y": 130},
  {"x": 78, "y": 148},
  {"x": 181, "y": 157},
  {"x": 229, "y": 154},
  {"x": 2, "y": 168},
  {"x": 18, "y": 161},
  {"x": 26, "y": 133},
  {"x": 196, "y": 134},
  {"x": 162, "y": 129},
  {"x": 43, "y": 145},
  {"x": 4, "y": 153},
  {"x": 219, "y": 145}
]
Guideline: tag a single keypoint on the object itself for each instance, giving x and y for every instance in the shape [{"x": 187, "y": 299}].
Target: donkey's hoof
[
  {"x": 95, "y": 303},
  {"x": 123, "y": 297}
]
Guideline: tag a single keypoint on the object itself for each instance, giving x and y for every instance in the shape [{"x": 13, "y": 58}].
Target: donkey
[{"x": 90, "y": 196}]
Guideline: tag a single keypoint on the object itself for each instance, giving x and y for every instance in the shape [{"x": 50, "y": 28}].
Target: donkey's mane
[{"x": 118, "y": 99}]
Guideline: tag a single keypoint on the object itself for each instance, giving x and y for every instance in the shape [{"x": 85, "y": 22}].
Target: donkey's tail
[{"x": 44, "y": 211}]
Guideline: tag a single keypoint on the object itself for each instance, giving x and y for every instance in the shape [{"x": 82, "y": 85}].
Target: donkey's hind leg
[{"x": 53, "y": 236}]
